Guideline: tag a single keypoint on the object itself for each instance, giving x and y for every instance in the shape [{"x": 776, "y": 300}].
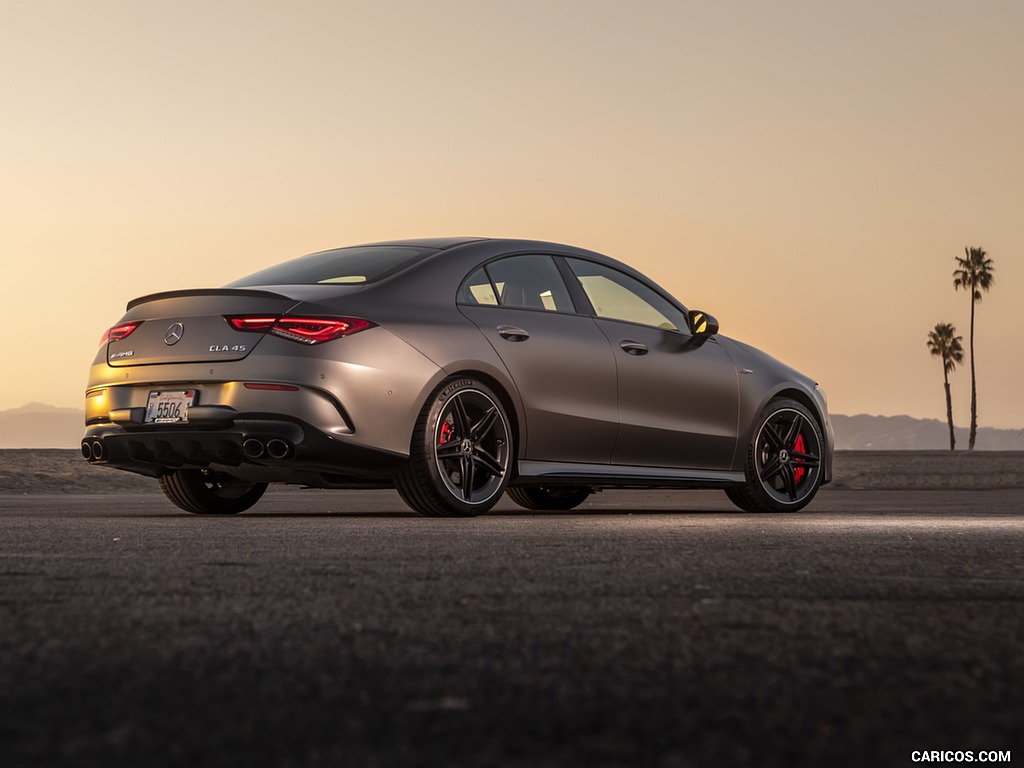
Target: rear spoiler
[{"x": 205, "y": 292}]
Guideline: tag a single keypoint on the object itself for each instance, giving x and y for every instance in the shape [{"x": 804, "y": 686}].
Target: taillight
[
  {"x": 118, "y": 332},
  {"x": 314, "y": 330},
  {"x": 251, "y": 323},
  {"x": 305, "y": 330}
]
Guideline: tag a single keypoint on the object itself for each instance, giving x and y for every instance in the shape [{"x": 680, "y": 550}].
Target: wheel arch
[{"x": 805, "y": 400}]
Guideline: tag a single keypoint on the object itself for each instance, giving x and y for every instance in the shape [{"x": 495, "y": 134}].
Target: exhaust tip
[
  {"x": 253, "y": 448},
  {"x": 278, "y": 448},
  {"x": 98, "y": 451},
  {"x": 86, "y": 450}
]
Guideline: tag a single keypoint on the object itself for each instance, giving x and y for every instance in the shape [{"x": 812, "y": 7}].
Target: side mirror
[{"x": 702, "y": 325}]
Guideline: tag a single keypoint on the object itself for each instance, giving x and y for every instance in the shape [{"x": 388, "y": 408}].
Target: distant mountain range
[
  {"x": 45, "y": 426},
  {"x": 41, "y": 426},
  {"x": 903, "y": 433}
]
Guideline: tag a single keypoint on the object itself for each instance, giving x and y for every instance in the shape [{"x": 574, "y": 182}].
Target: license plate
[{"x": 169, "y": 407}]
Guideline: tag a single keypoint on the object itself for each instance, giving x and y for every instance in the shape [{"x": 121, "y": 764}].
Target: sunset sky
[{"x": 805, "y": 171}]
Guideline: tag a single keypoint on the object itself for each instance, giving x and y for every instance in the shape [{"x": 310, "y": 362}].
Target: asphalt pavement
[{"x": 646, "y": 629}]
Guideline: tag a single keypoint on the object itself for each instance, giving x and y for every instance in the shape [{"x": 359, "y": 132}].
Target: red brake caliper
[
  {"x": 446, "y": 432},
  {"x": 799, "y": 472}
]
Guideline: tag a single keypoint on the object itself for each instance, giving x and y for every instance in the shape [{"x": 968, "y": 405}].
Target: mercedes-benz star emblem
[{"x": 174, "y": 333}]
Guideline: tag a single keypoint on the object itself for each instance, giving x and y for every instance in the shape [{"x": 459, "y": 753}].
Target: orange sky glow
[{"x": 805, "y": 171}]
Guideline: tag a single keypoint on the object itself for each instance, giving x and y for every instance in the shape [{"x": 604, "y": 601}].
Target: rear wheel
[
  {"x": 554, "y": 498},
  {"x": 461, "y": 453},
  {"x": 205, "y": 492},
  {"x": 783, "y": 461}
]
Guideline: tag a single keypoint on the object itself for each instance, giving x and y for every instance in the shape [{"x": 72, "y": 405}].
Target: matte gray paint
[
  {"x": 365, "y": 391},
  {"x": 566, "y": 378}
]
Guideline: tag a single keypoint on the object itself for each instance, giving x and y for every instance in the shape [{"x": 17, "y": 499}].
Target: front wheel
[
  {"x": 461, "y": 453},
  {"x": 784, "y": 461},
  {"x": 205, "y": 492}
]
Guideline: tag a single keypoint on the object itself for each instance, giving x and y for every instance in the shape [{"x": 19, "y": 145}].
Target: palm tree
[
  {"x": 974, "y": 273},
  {"x": 944, "y": 343}
]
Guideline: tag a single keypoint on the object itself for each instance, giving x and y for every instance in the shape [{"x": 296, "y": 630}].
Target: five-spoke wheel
[
  {"x": 461, "y": 452},
  {"x": 784, "y": 461}
]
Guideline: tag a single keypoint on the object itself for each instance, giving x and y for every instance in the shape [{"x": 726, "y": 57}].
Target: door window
[
  {"x": 527, "y": 282},
  {"x": 618, "y": 296}
]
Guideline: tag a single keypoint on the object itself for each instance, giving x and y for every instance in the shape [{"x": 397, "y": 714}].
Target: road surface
[{"x": 647, "y": 629}]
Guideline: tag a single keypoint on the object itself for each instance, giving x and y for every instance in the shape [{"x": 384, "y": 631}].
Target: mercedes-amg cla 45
[{"x": 454, "y": 370}]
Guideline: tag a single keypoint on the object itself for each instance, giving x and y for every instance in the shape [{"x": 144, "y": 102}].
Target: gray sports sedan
[{"x": 454, "y": 370}]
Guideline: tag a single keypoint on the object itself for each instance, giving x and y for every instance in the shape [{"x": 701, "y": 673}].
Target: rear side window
[
  {"x": 342, "y": 266},
  {"x": 526, "y": 282},
  {"x": 477, "y": 289}
]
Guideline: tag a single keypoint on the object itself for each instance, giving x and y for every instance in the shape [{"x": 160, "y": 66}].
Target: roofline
[{"x": 440, "y": 243}]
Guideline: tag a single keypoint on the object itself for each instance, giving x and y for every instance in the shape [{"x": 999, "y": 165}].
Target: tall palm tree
[
  {"x": 973, "y": 273},
  {"x": 944, "y": 343}
]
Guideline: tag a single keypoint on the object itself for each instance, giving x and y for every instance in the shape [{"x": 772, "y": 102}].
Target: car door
[
  {"x": 560, "y": 361},
  {"x": 678, "y": 403}
]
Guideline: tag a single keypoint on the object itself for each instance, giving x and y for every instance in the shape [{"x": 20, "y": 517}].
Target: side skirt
[{"x": 612, "y": 476}]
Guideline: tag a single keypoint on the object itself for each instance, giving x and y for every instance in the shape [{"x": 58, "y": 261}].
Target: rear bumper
[{"x": 269, "y": 448}]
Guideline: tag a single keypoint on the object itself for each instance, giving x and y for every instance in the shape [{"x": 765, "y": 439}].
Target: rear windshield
[{"x": 342, "y": 266}]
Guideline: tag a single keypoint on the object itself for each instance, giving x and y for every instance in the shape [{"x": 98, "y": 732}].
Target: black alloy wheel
[
  {"x": 784, "y": 461},
  {"x": 461, "y": 453}
]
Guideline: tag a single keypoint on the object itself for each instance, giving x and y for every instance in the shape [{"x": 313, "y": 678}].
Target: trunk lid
[{"x": 189, "y": 326}]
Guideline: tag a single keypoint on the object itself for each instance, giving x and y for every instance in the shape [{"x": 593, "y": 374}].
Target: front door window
[{"x": 617, "y": 296}]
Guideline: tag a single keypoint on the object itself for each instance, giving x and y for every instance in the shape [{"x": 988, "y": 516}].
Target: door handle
[
  {"x": 512, "y": 333},
  {"x": 633, "y": 347}
]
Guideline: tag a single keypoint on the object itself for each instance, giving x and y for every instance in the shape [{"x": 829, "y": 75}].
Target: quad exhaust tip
[
  {"x": 274, "y": 448},
  {"x": 93, "y": 450},
  {"x": 253, "y": 448},
  {"x": 278, "y": 448}
]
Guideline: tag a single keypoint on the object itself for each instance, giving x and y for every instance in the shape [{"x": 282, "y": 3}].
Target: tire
[
  {"x": 553, "y": 498},
  {"x": 783, "y": 467},
  {"x": 204, "y": 492},
  {"x": 461, "y": 455}
]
